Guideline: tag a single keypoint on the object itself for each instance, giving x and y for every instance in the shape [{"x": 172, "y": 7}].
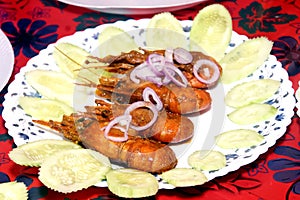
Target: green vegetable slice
[
  {"x": 52, "y": 85},
  {"x": 78, "y": 63},
  {"x": 165, "y": 31},
  {"x": 44, "y": 109},
  {"x": 34, "y": 153},
  {"x": 72, "y": 170},
  {"x": 70, "y": 58},
  {"x": 239, "y": 138},
  {"x": 252, "y": 113},
  {"x": 245, "y": 59},
  {"x": 211, "y": 30},
  {"x": 254, "y": 91},
  {"x": 131, "y": 183},
  {"x": 207, "y": 160},
  {"x": 114, "y": 41},
  {"x": 13, "y": 191},
  {"x": 184, "y": 177}
]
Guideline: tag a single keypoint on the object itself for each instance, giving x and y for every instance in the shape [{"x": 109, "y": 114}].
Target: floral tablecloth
[{"x": 31, "y": 25}]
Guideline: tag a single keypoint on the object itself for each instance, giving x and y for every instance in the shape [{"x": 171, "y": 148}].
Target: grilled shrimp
[
  {"x": 168, "y": 128},
  {"x": 136, "y": 152},
  {"x": 125, "y": 62},
  {"x": 175, "y": 99}
]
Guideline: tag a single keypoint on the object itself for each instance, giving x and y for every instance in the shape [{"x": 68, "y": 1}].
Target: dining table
[{"x": 32, "y": 25}]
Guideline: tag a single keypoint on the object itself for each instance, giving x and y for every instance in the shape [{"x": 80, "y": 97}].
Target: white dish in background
[
  {"x": 297, "y": 95},
  {"x": 135, "y": 7},
  {"x": 21, "y": 128},
  {"x": 7, "y": 59}
]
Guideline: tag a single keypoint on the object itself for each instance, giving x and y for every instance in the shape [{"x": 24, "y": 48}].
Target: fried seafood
[
  {"x": 139, "y": 153},
  {"x": 136, "y": 152},
  {"x": 169, "y": 127},
  {"x": 180, "y": 78},
  {"x": 127, "y": 61},
  {"x": 175, "y": 99},
  {"x": 149, "y": 91}
]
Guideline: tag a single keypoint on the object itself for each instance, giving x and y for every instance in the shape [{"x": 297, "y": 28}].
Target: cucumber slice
[
  {"x": 13, "y": 190},
  {"x": 52, "y": 85},
  {"x": 114, "y": 41},
  {"x": 70, "y": 58},
  {"x": 34, "y": 153},
  {"x": 74, "y": 169},
  {"x": 211, "y": 30},
  {"x": 44, "y": 109},
  {"x": 245, "y": 59},
  {"x": 255, "y": 91},
  {"x": 165, "y": 31},
  {"x": 207, "y": 160},
  {"x": 184, "y": 177},
  {"x": 252, "y": 113},
  {"x": 239, "y": 138},
  {"x": 78, "y": 63},
  {"x": 131, "y": 183}
]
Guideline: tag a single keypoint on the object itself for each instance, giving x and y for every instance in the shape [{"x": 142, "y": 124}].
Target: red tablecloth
[{"x": 274, "y": 175}]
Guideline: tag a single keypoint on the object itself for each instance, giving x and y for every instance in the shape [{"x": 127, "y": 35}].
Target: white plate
[
  {"x": 207, "y": 125},
  {"x": 297, "y": 95},
  {"x": 133, "y": 6},
  {"x": 7, "y": 59}
]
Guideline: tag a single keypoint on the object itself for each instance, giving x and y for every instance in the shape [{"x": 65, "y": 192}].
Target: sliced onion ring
[
  {"x": 182, "y": 56},
  {"x": 216, "y": 72},
  {"x": 156, "y": 63},
  {"x": 135, "y": 73},
  {"x": 140, "y": 104},
  {"x": 159, "y": 71},
  {"x": 169, "y": 70},
  {"x": 147, "y": 92},
  {"x": 115, "y": 121},
  {"x": 169, "y": 55}
]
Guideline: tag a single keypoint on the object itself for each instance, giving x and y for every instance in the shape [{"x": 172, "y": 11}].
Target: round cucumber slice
[
  {"x": 255, "y": 91},
  {"x": 13, "y": 190},
  {"x": 72, "y": 170},
  {"x": 165, "y": 31},
  {"x": 52, "y": 85},
  {"x": 211, "y": 30},
  {"x": 131, "y": 183},
  {"x": 239, "y": 138},
  {"x": 44, "y": 109},
  {"x": 252, "y": 113},
  {"x": 114, "y": 41},
  {"x": 184, "y": 177},
  {"x": 69, "y": 58},
  {"x": 245, "y": 59},
  {"x": 34, "y": 153},
  {"x": 207, "y": 160}
]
